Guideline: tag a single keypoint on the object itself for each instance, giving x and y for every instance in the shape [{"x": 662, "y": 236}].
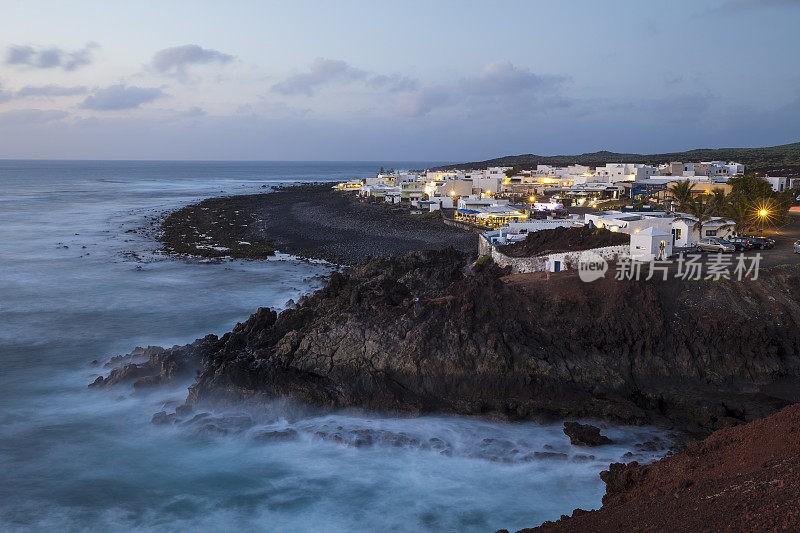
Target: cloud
[
  {"x": 176, "y": 59},
  {"x": 30, "y": 116},
  {"x": 118, "y": 97},
  {"x": 322, "y": 71},
  {"x": 680, "y": 107},
  {"x": 47, "y": 58},
  {"x": 392, "y": 83},
  {"x": 502, "y": 77},
  {"x": 50, "y": 91},
  {"x": 5, "y": 95},
  {"x": 192, "y": 112},
  {"x": 420, "y": 102}
]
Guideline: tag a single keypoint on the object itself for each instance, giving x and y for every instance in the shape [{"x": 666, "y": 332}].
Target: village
[{"x": 659, "y": 211}]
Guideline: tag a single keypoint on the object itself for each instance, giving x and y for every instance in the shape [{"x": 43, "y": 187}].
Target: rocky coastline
[
  {"x": 436, "y": 332},
  {"x": 430, "y": 332},
  {"x": 309, "y": 221}
]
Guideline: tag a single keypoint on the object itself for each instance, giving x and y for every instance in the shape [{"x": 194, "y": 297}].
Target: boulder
[{"x": 585, "y": 434}]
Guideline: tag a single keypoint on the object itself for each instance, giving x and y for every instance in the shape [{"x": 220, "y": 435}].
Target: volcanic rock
[
  {"x": 584, "y": 434},
  {"x": 696, "y": 355}
]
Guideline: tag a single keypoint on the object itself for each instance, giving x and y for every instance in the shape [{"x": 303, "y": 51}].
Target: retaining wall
[{"x": 566, "y": 260}]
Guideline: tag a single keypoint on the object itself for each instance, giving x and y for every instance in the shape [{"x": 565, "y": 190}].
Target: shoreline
[
  {"x": 309, "y": 221},
  {"x": 360, "y": 342},
  {"x": 696, "y": 381}
]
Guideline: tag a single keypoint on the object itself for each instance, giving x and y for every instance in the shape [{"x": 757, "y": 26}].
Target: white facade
[
  {"x": 778, "y": 184},
  {"x": 380, "y": 179},
  {"x": 487, "y": 184},
  {"x": 614, "y": 172},
  {"x": 680, "y": 226},
  {"x": 459, "y": 187},
  {"x": 630, "y": 222},
  {"x": 444, "y": 201},
  {"x": 651, "y": 244},
  {"x": 473, "y": 202},
  {"x": 685, "y": 234}
]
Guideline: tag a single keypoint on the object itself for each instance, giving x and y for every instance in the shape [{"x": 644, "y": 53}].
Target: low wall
[
  {"x": 519, "y": 265},
  {"x": 569, "y": 260},
  {"x": 566, "y": 260},
  {"x": 461, "y": 225}
]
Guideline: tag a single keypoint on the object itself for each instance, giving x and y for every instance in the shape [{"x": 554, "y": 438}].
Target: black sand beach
[{"x": 311, "y": 221}]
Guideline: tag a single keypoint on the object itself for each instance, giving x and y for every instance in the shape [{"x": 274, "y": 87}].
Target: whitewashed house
[
  {"x": 651, "y": 244},
  {"x": 685, "y": 234},
  {"x": 630, "y": 221},
  {"x": 778, "y": 184},
  {"x": 476, "y": 202}
]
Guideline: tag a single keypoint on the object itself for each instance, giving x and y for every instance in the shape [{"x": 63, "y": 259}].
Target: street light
[{"x": 763, "y": 213}]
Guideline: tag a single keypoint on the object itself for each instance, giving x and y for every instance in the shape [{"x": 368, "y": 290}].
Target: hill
[{"x": 777, "y": 160}]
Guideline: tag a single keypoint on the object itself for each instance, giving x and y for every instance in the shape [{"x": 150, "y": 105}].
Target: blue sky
[{"x": 374, "y": 80}]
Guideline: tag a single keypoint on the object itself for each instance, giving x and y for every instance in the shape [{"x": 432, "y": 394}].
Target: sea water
[{"x": 79, "y": 283}]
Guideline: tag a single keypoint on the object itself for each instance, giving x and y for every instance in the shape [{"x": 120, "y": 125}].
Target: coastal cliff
[
  {"x": 739, "y": 479},
  {"x": 429, "y": 332}
]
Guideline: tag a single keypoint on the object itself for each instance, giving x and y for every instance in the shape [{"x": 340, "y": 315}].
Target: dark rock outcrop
[
  {"x": 151, "y": 366},
  {"x": 696, "y": 355},
  {"x": 584, "y": 434}
]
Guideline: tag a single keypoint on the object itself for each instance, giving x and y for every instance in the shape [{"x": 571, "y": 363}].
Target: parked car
[
  {"x": 741, "y": 243},
  {"x": 714, "y": 244},
  {"x": 797, "y": 247},
  {"x": 761, "y": 243}
]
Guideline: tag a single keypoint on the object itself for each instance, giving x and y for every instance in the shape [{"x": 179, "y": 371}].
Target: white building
[
  {"x": 711, "y": 169},
  {"x": 778, "y": 184},
  {"x": 487, "y": 183},
  {"x": 679, "y": 225},
  {"x": 630, "y": 221},
  {"x": 476, "y": 202},
  {"x": 684, "y": 233},
  {"x": 380, "y": 179},
  {"x": 614, "y": 172},
  {"x": 457, "y": 188},
  {"x": 651, "y": 244}
]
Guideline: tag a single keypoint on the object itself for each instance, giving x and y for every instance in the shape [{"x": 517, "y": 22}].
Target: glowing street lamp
[{"x": 764, "y": 214}]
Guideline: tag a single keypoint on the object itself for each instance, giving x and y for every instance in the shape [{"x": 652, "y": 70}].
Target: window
[{"x": 711, "y": 233}]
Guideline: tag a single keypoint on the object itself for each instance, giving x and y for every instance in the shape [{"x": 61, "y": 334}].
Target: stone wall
[
  {"x": 459, "y": 224},
  {"x": 567, "y": 260}
]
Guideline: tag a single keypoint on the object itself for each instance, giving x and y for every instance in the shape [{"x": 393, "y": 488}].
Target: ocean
[{"x": 79, "y": 283}]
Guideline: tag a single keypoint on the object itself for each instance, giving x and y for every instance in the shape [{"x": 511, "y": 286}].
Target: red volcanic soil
[{"x": 745, "y": 478}]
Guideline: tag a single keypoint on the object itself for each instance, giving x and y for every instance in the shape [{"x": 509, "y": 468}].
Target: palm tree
[
  {"x": 720, "y": 199},
  {"x": 740, "y": 212},
  {"x": 682, "y": 193},
  {"x": 700, "y": 209}
]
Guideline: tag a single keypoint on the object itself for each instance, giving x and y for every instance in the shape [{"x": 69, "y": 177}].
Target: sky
[{"x": 435, "y": 80}]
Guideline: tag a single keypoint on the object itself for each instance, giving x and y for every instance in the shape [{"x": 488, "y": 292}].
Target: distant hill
[{"x": 777, "y": 160}]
